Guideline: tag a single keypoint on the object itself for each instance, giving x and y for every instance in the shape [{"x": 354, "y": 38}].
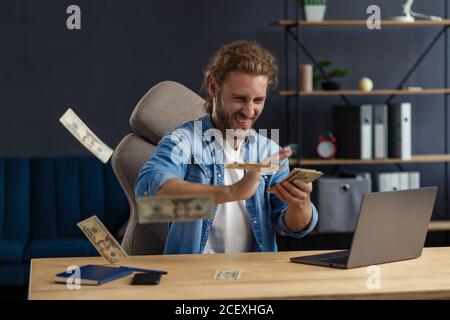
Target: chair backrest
[{"x": 165, "y": 106}]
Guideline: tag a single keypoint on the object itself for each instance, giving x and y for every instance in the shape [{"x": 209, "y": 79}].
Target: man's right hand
[{"x": 247, "y": 186}]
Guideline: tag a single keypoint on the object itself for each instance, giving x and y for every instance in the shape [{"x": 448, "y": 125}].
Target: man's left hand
[{"x": 297, "y": 195}]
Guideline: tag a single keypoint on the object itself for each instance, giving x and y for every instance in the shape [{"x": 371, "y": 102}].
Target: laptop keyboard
[
  {"x": 339, "y": 257},
  {"x": 339, "y": 260}
]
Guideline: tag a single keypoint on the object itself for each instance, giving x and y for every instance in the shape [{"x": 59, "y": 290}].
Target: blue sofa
[{"x": 41, "y": 202}]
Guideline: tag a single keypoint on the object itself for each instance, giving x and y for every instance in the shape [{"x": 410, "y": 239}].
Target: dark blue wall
[
  {"x": 102, "y": 70},
  {"x": 125, "y": 47}
]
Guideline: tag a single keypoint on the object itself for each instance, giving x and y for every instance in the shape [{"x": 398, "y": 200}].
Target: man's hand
[
  {"x": 247, "y": 186},
  {"x": 297, "y": 195}
]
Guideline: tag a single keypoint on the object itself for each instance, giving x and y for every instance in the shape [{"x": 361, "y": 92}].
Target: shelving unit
[
  {"x": 292, "y": 93},
  {"x": 425, "y": 158},
  {"x": 359, "y": 23},
  {"x": 434, "y": 226},
  {"x": 292, "y": 29}
]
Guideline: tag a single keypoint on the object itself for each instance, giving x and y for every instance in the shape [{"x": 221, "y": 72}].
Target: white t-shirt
[{"x": 231, "y": 230}]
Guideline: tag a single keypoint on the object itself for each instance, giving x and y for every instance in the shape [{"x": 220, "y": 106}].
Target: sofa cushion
[
  {"x": 13, "y": 274},
  {"x": 52, "y": 248},
  {"x": 11, "y": 251},
  {"x": 14, "y": 198},
  {"x": 66, "y": 190}
]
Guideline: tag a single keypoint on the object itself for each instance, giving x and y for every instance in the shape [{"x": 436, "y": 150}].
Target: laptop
[{"x": 392, "y": 226}]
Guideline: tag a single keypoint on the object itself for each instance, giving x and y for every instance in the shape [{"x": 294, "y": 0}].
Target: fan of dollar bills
[{"x": 304, "y": 175}]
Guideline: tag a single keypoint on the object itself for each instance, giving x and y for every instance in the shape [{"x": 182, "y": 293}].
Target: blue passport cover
[{"x": 96, "y": 275}]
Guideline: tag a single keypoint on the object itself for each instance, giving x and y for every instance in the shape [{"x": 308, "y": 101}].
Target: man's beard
[{"x": 228, "y": 121}]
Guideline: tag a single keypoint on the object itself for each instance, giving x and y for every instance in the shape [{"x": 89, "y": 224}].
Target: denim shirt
[{"x": 181, "y": 155}]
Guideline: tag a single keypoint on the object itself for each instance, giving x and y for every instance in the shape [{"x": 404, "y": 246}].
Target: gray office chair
[{"x": 165, "y": 106}]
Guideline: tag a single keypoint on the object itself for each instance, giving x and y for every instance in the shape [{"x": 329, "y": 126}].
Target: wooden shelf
[
  {"x": 434, "y": 226},
  {"x": 439, "y": 225},
  {"x": 360, "y": 23},
  {"x": 291, "y": 93},
  {"x": 426, "y": 158}
]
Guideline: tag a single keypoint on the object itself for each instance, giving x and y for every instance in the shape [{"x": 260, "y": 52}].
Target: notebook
[{"x": 95, "y": 275}]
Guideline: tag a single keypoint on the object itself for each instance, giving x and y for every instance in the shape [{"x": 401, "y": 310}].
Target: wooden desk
[{"x": 263, "y": 276}]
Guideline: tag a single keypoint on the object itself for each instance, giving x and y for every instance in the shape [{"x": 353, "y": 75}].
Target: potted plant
[
  {"x": 328, "y": 84},
  {"x": 314, "y": 9}
]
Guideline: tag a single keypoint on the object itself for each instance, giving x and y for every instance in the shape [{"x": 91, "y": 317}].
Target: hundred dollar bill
[
  {"x": 304, "y": 175},
  {"x": 227, "y": 274},
  {"x": 264, "y": 168},
  {"x": 168, "y": 208},
  {"x": 102, "y": 240},
  {"x": 79, "y": 130}
]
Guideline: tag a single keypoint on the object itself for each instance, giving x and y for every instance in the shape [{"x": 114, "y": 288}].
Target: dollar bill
[
  {"x": 102, "y": 240},
  {"x": 79, "y": 130},
  {"x": 168, "y": 208},
  {"x": 304, "y": 175},
  {"x": 227, "y": 274},
  {"x": 263, "y": 168}
]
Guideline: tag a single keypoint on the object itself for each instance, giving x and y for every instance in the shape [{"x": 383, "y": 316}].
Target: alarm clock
[{"x": 326, "y": 146}]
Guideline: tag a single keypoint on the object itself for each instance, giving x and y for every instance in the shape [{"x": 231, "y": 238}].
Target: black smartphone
[{"x": 146, "y": 278}]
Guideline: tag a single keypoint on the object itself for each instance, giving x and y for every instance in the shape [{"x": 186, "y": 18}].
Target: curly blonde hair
[{"x": 244, "y": 56}]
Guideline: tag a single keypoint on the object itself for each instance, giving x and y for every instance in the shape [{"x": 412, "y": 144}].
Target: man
[{"x": 246, "y": 216}]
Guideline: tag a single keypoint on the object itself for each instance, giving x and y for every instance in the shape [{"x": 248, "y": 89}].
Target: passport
[{"x": 95, "y": 275}]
